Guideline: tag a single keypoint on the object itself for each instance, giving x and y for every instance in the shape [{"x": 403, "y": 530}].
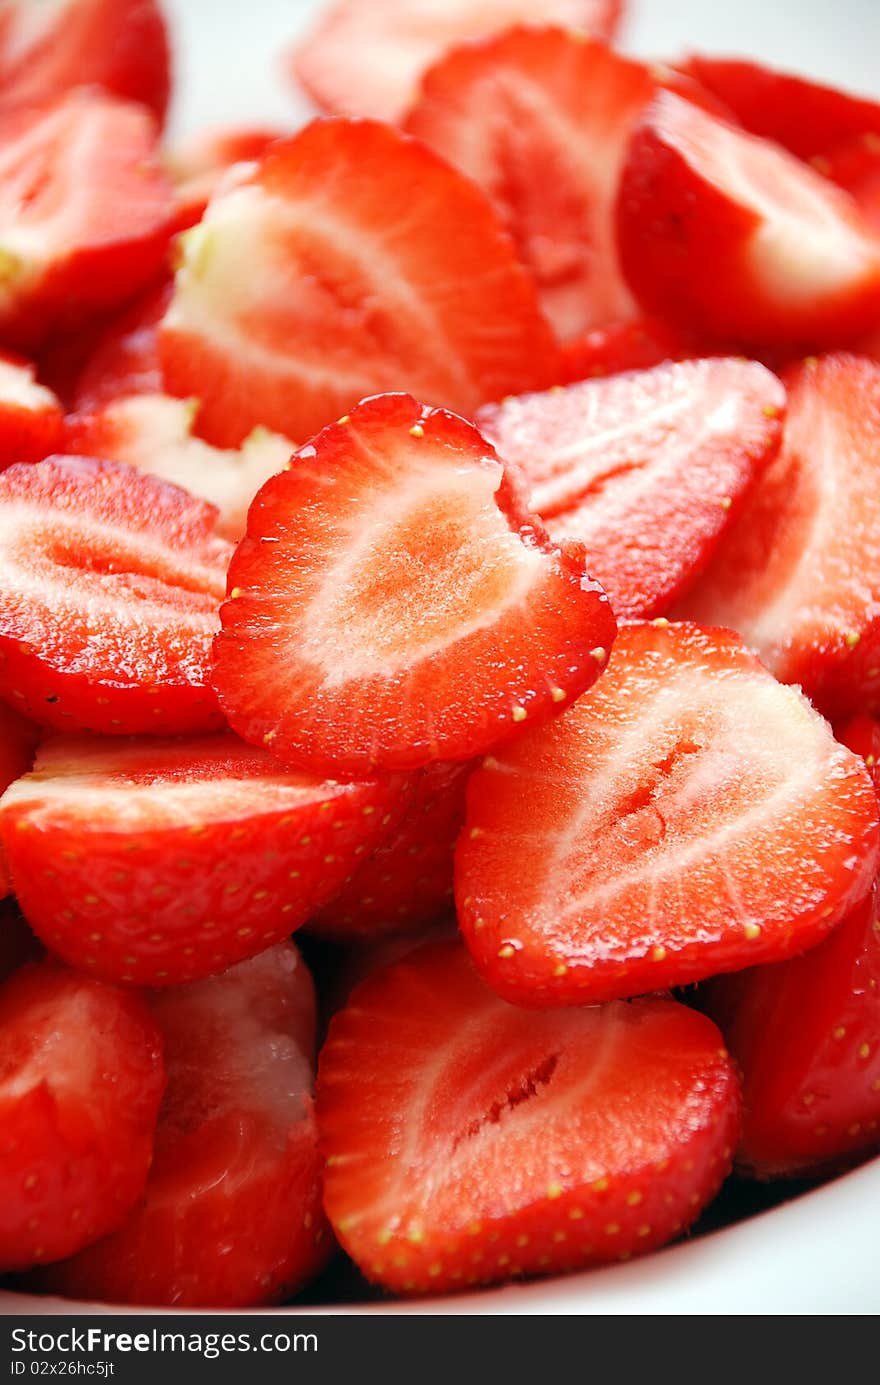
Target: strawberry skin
[
  {"x": 469, "y": 1142},
  {"x": 81, "y": 1078},
  {"x": 18, "y": 741},
  {"x": 31, "y": 421},
  {"x": 631, "y": 345},
  {"x": 111, "y": 582},
  {"x": 732, "y": 237},
  {"x": 806, "y": 1036},
  {"x": 154, "y": 862},
  {"x": 393, "y": 603},
  {"x": 374, "y": 266},
  {"x": 862, "y": 734},
  {"x": 367, "y": 57},
  {"x": 689, "y": 816},
  {"x": 645, "y": 469},
  {"x": 231, "y": 1216},
  {"x": 407, "y": 882},
  {"x": 798, "y": 575}
]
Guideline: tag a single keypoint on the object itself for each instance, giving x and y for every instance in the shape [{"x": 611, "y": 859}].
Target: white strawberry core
[{"x": 18, "y": 386}]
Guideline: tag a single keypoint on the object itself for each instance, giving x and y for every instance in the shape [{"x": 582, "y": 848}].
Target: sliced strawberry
[
  {"x": 125, "y": 359},
  {"x": 200, "y": 163},
  {"x": 735, "y": 238},
  {"x": 803, "y": 116},
  {"x": 862, "y": 734},
  {"x": 31, "y": 421},
  {"x": 468, "y": 1141},
  {"x": 645, "y": 469},
  {"x": 690, "y": 816},
  {"x": 232, "y": 1213},
  {"x": 154, "y": 433},
  {"x": 372, "y": 266},
  {"x": 81, "y": 1078},
  {"x": 393, "y": 604},
  {"x": 121, "y": 45},
  {"x": 161, "y": 861},
  {"x": 855, "y": 166},
  {"x": 806, "y": 1035},
  {"x": 620, "y": 346},
  {"x": 799, "y": 573},
  {"x": 18, "y": 741},
  {"x": 86, "y": 212},
  {"x": 408, "y": 881},
  {"x": 367, "y": 57},
  {"x": 109, "y": 587}
]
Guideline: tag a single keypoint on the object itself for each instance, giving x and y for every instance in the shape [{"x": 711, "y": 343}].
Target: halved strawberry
[
  {"x": 86, "y": 212},
  {"x": 31, "y": 421},
  {"x": 125, "y": 359},
  {"x": 121, "y": 45},
  {"x": 799, "y": 572},
  {"x": 18, "y": 741},
  {"x": 645, "y": 469},
  {"x": 81, "y": 1078},
  {"x": 690, "y": 816},
  {"x": 806, "y": 1036},
  {"x": 199, "y": 164},
  {"x": 367, "y": 57},
  {"x": 468, "y": 1141},
  {"x": 154, "y": 433},
  {"x": 408, "y": 881},
  {"x": 803, "y": 116},
  {"x": 735, "y": 238},
  {"x": 618, "y": 346},
  {"x": 862, "y": 734},
  {"x": 232, "y": 1211},
  {"x": 855, "y": 166},
  {"x": 372, "y": 266},
  {"x": 159, "y": 861},
  {"x": 110, "y": 583},
  {"x": 394, "y": 604}
]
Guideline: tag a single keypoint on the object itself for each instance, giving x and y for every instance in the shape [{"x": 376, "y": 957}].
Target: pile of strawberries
[{"x": 462, "y": 511}]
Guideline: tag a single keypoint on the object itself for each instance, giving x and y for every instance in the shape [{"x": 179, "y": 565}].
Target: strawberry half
[
  {"x": 373, "y": 266},
  {"x": 159, "y": 861},
  {"x": 469, "y": 1142},
  {"x": 862, "y": 734},
  {"x": 806, "y": 1036},
  {"x": 645, "y": 469},
  {"x": 619, "y": 346},
  {"x": 199, "y": 164},
  {"x": 855, "y": 166},
  {"x": 232, "y": 1213},
  {"x": 734, "y": 238},
  {"x": 541, "y": 120},
  {"x": 86, "y": 212},
  {"x": 803, "y": 116},
  {"x": 31, "y": 421},
  {"x": 18, "y": 741},
  {"x": 121, "y": 45},
  {"x": 366, "y": 57},
  {"x": 407, "y": 883},
  {"x": 110, "y": 583},
  {"x": 393, "y": 603},
  {"x": 125, "y": 359},
  {"x": 154, "y": 433},
  {"x": 799, "y": 573},
  {"x": 690, "y": 816},
  {"x": 81, "y": 1078}
]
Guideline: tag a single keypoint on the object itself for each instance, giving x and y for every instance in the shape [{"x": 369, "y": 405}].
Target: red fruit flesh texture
[
  {"x": 855, "y": 166},
  {"x": 645, "y": 469},
  {"x": 393, "y": 604},
  {"x": 81, "y": 1078},
  {"x": 31, "y": 421},
  {"x": 368, "y": 58},
  {"x": 110, "y": 583},
  {"x": 734, "y": 238},
  {"x": 803, "y": 116},
  {"x": 155, "y": 433},
  {"x": 862, "y": 734},
  {"x": 541, "y": 120},
  {"x": 155, "y": 862},
  {"x": 689, "y": 816},
  {"x": 620, "y": 346},
  {"x": 374, "y": 266},
  {"x": 407, "y": 883},
  {"x": 470, "y": 1142},
  {"x": 232, "y": 1212},
  {"x": 120, "y": 45},
  {"x": 18, "y": 741},
  {"x": 798, "y": 575},
  {"x": 806, "y": 1036},
  {"x": 125, "y": 361},
  {"x": 87, "y": 213}
]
